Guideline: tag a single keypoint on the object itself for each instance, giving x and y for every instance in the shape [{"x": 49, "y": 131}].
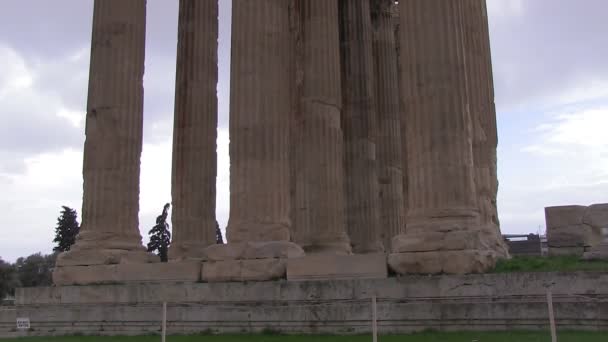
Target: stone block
[
  {"x": 596, "y": 216},
  {"x": 127, "y": 273},
  {"x": 88, "y": 257},
  {"x": 254, "y": 250},
  {"x": 579, "y": 235},
  {"x": 328, "y": 266},
  {"x": 436, "y": 241},
  {"x": 243, "y": 270},
  {"x": 567, "y": 215},
  {"x": 564, "y": 251},
  {"x": 436, "y": 262},
  {"x": 599, "y": 252}
]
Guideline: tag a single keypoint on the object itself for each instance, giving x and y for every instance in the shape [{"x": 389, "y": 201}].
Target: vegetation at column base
[
  {"x": 549, "y": 264},
  {"x": 517, "y": 336}
]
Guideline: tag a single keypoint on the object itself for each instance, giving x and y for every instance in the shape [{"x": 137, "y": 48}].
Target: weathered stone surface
[
  {"x": 112, "y": 150},
  {"x": 195, "y": 130},
  {"x": 567, "y": 215},
  {"x": 480, "y": 92},
  {"x": 573, "y": 235},
  {"x": 498, "y": 302},
  {"x": 359, "y": 126},
  {"x": 124, "y": 273},
  {"x": 596, "y": 216},
  {"x": 437, "y": 241},
  {"x": 260, "y": 103},
  {"x": 331, "y": 266},
  {"x": 435, "y": 262},
  {"x": 442, "y": 193},
  {"x": 388, "y": 141},
  {"x": 254, "y": 250},
  {"x": 104, "y": 257},
  {"x": 562, "y": 251},
  {"x": 599, "y": 252},
  {"x": 319, "y": 209},
  {"x": 244, "y": 270}
]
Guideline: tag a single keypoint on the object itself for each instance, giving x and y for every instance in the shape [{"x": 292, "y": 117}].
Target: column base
[
  {"x": 188, "y": 251},
  {"x": 328, "y": 266},
  {"x": 249, "y": 261},
  {"x": 127, "y": 273},
  {"x": 450, "y": 252},
  {"x": 89, "y": 257}
]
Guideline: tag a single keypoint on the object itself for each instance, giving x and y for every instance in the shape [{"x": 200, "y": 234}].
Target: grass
[
  {"x": 421, "y": 337},
  {"x": 549, "y": 264}
]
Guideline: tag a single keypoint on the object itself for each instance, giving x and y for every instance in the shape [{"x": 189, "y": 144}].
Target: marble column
[
  {"x": 388, "y": 141},
  {"x": 260, "y": 107},
  {"x": 319, "y": 217},
  {"x": 112, "y": 151},
  {"x": 195, "y": 130},
  {"x": 359, "y": 126},
  {"x": 483, "y": 115},
  {"x": 443, "y": 232}
]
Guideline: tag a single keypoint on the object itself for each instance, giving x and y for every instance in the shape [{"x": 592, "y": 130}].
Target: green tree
[
  {"x": 219, "y": 239},
  {"x": 66, "y": 230},
  {"x": 36, "y": 270},
  {"x": 160, "y": 236},
  {"x": 9, "y": 279}
]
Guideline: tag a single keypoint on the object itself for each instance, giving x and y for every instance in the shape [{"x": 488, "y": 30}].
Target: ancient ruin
[
  {"x": 578, "y": 230},
  {"x": 361, "y": 140}
]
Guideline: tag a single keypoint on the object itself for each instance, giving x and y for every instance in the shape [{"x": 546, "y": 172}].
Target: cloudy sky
[{"x": 551, "y": 79}]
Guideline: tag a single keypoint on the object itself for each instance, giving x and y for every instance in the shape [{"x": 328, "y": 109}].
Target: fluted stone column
[
  {"x": 262, "y": 78},
  {"x": 443, "y": 232},
  {"x": 319, "y": 217},
  {"x": 259, "y": 121},
  {"x": 114, "y": 122},
  {"x": 359, "y": 126},
  {"x": 388, "y": 141},
  {"x": 483, "y": 115},
  {"x": 195, "y": 130}
]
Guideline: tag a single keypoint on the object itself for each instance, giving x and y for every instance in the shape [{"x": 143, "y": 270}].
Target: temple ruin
[{"x": 362, "y": 142}]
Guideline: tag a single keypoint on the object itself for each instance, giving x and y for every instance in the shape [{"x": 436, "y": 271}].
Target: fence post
[
  {"x": 164, "y": 327},
  {"x": 551, "y": 316},
  {"x": 374, "y": 319}
]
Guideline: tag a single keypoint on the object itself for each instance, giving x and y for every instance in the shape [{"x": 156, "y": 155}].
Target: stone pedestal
[
  {"x": 195, "y": 130},
  {"x": 359, "y": 126},
  {"x": 332, "y": 266},
  {"x": 388, "y": 141},
  {"x": 110, "y": 224},
  {"x": 480, "y": 91},
  {"x": 443, "y": 230},
  {"x": 319, "y": 208},
  {"x": 182, "y": 271},
  {"x": 262, "y": 76}
]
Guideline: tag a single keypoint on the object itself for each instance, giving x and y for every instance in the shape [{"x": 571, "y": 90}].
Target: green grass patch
[
  {"x": 549, "y": 264},
  {"x": 422, "y": 337}
]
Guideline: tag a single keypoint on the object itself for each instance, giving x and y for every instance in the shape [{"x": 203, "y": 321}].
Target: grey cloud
[{"x": 553, "y": 47}]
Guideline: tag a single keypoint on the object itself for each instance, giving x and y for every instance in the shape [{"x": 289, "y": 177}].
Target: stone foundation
[
  {"x": 331, "y": 266},
  {"x": 514, "y": 301}
]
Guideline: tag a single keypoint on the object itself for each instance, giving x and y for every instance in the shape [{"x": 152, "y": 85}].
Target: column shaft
[
  {"x": 439, "y": 136},
  {"x": 483, "y": 114},
  {"x": 319, "y": 217},
  {"x": 195, "y": 129},
  {"x": 359, "y": 126},
  {"x": 260, "y": 107},
  {"x": 388, "y": 143},
  {"x": 112, "y": 149},
  {"x": 114, "y": 125}
]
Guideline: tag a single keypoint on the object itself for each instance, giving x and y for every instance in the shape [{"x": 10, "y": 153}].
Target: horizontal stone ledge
[
  {"x": 127, "y": 273},
  {"x": 333, "y": 266},
  {"x": 404, "y": 287}
]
